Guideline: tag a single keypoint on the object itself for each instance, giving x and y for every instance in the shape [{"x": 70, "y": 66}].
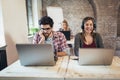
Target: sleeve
[
  {"x": 76, "y": 44},
  {"x": 36, "y": 38},
  {"x": 63, "y": 42}
]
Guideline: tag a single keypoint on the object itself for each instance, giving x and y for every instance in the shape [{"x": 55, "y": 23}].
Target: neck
[
  {"x": 65, "y": 29},
  {"x": 87, "y": 34}
]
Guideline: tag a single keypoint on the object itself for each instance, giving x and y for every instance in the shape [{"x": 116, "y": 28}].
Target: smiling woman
[{"x": 88, "y": 38}]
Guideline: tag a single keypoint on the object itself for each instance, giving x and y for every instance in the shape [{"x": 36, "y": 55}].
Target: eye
[
  {"x": 45, "y": 28},
  {"x": 91, "y": 24},
  {"x": 86, "y": 24}
]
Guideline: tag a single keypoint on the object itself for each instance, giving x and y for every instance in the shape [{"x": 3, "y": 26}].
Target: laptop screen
[
  {"x": 95, "y": 56},
  {"x": 35, "y": 54},
  {"x": 67, "y": 34}
]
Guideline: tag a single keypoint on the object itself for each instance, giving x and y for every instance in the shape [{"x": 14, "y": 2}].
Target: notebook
[
  {"x": 35, "y": 54},
  {"x": 67, "y": 34},
  {"x": 95, "y": 56}
]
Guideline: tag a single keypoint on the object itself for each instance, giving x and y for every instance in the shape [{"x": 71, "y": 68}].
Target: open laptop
[
  {"x": 67, "y": 34},
  {"x": 95, "y": 56},
  {"x": 35, "y": 54}
]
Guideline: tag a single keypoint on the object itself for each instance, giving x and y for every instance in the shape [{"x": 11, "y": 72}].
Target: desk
[
  {"x": 18, "y": 72},
  {"x": 71, "y": 41},
  {"x": 65, "y": 69},
  {"x": 77, "y": 72}
]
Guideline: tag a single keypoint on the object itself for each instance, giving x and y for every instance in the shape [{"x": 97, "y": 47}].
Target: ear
[
  {"x": 82, "y": 26},
  {"x": 94, "y": 24}
]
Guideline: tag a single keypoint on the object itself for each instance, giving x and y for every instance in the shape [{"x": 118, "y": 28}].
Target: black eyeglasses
[{"x": 45, "y": 28}]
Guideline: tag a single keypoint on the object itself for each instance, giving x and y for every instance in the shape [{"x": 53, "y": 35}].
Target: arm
[
  {"x": 99, "y": 41},
  {"x": 63, "y": 45},
  {"x": 77, "y": 44},
  {"x": 65, "y": 52},
  {"x": 59, "y": 54},
  {"x": 38, "y": 38}
]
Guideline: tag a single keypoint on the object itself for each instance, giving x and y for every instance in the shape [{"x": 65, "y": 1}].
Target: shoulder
[
  {"x": 60, "y": 29},
  {"x": 57, "y": 33},
  {"x": 96, "y": 34},
  {"x": 36, "y": 34},
  {"x": 79, "y": 34},
  {"x": 68, "y": 29}
]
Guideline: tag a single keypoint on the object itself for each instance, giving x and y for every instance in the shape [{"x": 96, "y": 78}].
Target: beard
[{"x": 46, "y": 35}]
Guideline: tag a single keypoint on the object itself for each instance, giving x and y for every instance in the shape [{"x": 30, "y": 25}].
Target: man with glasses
[{"x": 46, "y": 35}]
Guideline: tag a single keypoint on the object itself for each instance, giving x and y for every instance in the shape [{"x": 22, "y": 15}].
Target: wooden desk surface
[
  {"x": 65, "y": 69},
  {"x": 77, "y": 72},
  {"x": 71, "y": 41},
  {"x": 18, "y": 72}
]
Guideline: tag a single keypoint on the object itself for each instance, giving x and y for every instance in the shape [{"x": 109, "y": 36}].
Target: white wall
[
  {"x": 2, "y": 36},
  {"x": 15, "y": 25},
  {"x": 54, "y": 13}
]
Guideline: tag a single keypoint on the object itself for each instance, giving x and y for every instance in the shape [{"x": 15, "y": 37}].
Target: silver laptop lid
[
  {"x": 95, "y": 56},
  {"x": 35, "y": 54}
]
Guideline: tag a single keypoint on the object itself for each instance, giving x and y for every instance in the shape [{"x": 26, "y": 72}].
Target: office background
[{"x": 14, "y": 26}]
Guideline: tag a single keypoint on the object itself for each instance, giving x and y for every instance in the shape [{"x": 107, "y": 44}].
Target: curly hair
[{"x": 46, "y": 20}]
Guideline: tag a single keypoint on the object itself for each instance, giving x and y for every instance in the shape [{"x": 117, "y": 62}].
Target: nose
[
  {"x": 89, "y": 26},
  {"x": 45, "y": 31}
]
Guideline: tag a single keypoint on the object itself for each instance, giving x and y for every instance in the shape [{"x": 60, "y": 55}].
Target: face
[
  {"x": 46, "y": 30},
  {"x": 64, "y": 25},
  {"x": 88, "y": 26}
]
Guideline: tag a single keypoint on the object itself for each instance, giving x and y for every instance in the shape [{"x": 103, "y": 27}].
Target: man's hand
[
  {"x": 60, "y": 54},
  {"x": 42, "y": 37}
]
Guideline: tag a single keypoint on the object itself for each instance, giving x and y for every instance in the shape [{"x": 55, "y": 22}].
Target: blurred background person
[{"x": 65, "y": 27}]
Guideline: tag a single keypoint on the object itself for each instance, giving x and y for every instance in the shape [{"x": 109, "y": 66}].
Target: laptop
[
  {"x": 95, "y": 56},
  {"x": 67, "y": 34},
  {"x": 35, "y": 54}
]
